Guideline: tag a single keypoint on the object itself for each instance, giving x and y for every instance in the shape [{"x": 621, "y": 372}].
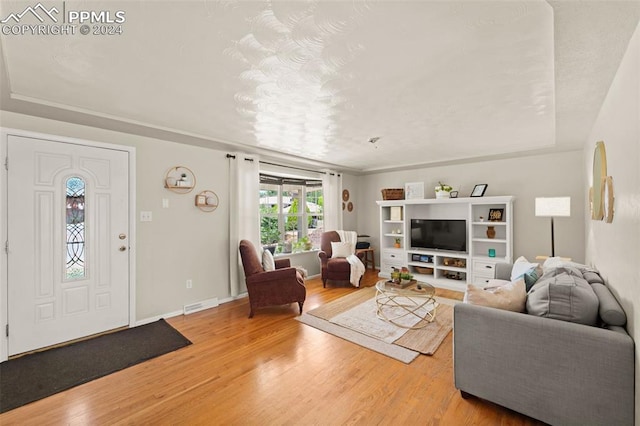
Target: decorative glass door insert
[{"x": 75, "y": 266}]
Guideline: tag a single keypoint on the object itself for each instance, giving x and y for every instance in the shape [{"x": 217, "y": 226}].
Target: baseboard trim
[{"x": 181, "y": 312}]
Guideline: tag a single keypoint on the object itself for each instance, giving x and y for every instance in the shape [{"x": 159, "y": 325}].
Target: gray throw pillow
[
  {"x": 566, "y": 269},
  {"x": 565, "y": 297},
  {"x": 610, "y": 310}
]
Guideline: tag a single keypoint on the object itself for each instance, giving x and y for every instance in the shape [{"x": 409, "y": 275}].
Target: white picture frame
[
  {"x": 395, "y": 213},
  {"x": 414, "y": 191}
]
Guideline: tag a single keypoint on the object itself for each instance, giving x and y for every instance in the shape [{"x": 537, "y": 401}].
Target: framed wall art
[
  {"x": 496, "y": 215},
  {"x": 414, "y": 191}
]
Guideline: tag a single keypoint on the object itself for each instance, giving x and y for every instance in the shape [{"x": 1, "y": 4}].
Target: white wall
[
  {"x": 613, "y": 248},
  {"x": 525, "y": 178},
  {"x": 181, "y": 242},
  {"x": 350, "y": 218}
]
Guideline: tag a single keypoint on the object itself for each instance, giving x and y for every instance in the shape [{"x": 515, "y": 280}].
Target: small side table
[{"x": 367, "y": 256}]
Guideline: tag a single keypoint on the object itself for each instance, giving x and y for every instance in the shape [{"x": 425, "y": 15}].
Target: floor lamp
[{"x": 553, "y": 207}]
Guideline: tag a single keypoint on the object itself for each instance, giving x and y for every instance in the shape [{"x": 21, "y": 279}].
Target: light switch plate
[{"x": 146, "y": 216}]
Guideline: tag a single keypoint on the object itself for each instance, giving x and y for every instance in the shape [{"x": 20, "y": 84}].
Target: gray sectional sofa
[{"x": 558, "y": 371}]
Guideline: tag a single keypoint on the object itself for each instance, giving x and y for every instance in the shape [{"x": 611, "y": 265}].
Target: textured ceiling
[{"x": 313, "y": 81}]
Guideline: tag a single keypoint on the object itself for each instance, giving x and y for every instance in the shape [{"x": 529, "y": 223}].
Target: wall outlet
[
  {"x": 189, "y": 283},
  {"x": 146, "y": 216}
]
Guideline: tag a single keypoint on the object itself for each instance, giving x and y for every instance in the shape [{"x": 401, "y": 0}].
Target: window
[{"x": 291, "y": 213}]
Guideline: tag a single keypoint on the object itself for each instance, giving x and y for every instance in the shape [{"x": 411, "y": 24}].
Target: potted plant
[
  {"x": 405, "y": 277},
  {"x": 443, "y": 190},
  {"x": 307, "y": 245},
  {"x": 395, "y": 275},
  {"x": 303, "y": 244},
  {"x": 397, "y": 243}
]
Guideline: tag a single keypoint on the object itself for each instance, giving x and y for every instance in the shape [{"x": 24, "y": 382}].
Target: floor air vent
[{"x": 200, "y": 306}]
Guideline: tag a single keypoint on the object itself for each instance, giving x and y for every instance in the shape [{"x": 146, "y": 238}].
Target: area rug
[
  {"x": 405, "y": 346},
  {"x": 41, "y": 374}
]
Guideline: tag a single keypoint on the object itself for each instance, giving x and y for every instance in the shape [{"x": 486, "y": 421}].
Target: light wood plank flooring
[{"x": 270, "y": 370}]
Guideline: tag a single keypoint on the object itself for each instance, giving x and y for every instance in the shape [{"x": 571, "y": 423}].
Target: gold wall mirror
[{"x": 599, "y": 177}]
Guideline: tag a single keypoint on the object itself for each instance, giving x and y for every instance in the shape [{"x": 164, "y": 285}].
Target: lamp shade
[{"x": 553, "y": 206}]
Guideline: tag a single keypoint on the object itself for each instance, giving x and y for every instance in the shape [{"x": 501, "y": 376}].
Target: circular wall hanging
[
  {"x": 345, "y": 195},
  {"x": 608, "y": 199},
  {"x": 343, "y": 206},
  {"x": 350, "y": 206},
  {"x": 207, "y": 201},
  {"x": 180, "y": 179}
]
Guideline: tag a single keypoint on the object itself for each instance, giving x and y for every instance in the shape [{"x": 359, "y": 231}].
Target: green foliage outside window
[
  {"x": 291, "y": 228},
  {"x": 269, "y": 232}
]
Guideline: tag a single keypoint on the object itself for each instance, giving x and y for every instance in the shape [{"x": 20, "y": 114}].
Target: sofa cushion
[
  {"x": 611, "y": 313},
  {"x": 564, "y": 297},
  {"x": 510, "y": 296},
  {"x": 339, "y": 264},
  {"x": 554, "y": 272}
]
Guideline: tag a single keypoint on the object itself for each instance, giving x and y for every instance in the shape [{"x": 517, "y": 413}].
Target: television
[{"x": 439, "y": 234}]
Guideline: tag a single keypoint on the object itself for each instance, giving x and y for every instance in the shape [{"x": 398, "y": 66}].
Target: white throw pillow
[
  {"x": 342, "y": 249},
  {"x": 522, "y": 266},
  {"x": 511, "y": 296},
  {"x": 268, "y": 264}
]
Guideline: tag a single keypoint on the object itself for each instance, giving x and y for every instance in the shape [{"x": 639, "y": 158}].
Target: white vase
[{"x": 442, "y": 194}]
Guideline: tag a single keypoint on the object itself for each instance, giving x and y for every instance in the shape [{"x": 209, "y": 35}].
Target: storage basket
[
  {"x": 424, "y": 270},
  {"x": 393, "y": 194}
]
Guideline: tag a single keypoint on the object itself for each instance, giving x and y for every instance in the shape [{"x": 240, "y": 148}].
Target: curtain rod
[
  {"x": 282, "y": 165},
  {"x": 297, "y": 168},
  {"x": 234, "y": 157}
]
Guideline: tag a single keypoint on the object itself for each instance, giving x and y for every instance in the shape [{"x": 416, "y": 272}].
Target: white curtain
[
  {"x": 244, "y": 215},
  {"x": 332, "y": 192}
]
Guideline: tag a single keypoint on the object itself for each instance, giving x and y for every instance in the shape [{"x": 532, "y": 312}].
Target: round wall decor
[
  {"x": 207, "y": 201},
  {"x": 608, "y": 200},
  {"x": 345, "y": 195},
  {"x": 179, "y": 179}
]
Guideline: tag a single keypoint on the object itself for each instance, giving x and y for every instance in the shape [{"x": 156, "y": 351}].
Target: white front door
[{"x": 68, "y": 241}]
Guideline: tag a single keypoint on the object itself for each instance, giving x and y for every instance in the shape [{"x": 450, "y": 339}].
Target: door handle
[
  {"x": 122, "y": 236},
  {"x": 122, "y": 248}
]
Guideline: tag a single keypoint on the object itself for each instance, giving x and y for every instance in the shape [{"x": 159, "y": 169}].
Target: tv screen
[{"x": 439, "y": 234}]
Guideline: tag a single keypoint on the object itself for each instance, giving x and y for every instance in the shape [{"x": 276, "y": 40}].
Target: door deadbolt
[{"x": 122, "y": 236}]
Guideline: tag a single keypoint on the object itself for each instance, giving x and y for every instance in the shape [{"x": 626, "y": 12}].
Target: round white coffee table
[{"x": 395, "y": 304}]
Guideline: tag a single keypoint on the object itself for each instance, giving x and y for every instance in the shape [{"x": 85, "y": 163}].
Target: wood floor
[{"x": 270, "y": 370}]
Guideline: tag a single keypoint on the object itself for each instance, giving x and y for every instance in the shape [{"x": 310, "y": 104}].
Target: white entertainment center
[{"x": 445, "y": 268}]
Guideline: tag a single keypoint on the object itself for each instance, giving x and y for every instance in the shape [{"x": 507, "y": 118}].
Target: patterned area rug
[{"x": 376, "y": 334}]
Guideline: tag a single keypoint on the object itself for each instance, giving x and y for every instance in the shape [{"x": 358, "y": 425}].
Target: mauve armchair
[
  {"x": 281, "y": 286},
  {"x": 332, "y": 268}
]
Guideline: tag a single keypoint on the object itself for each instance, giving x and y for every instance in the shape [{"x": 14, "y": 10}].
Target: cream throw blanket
[{"x": 357, "y": 267}]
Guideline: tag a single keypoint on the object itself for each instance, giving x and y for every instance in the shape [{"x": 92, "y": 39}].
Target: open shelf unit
[{"x": 442, "y": 268}]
